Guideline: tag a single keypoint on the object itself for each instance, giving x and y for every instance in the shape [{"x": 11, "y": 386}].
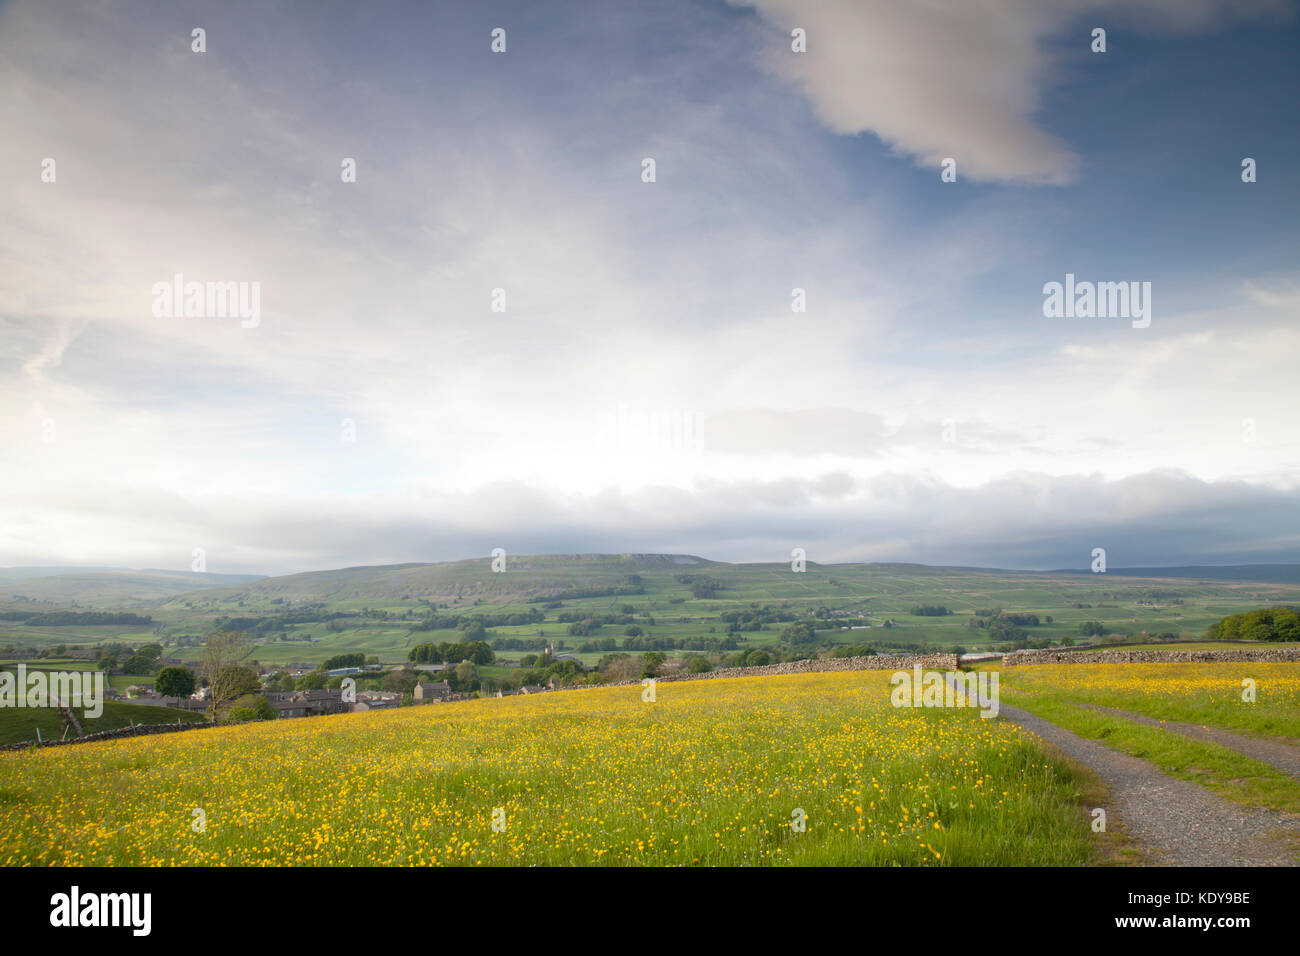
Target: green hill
[
  {"x": 115, "y": 587},
  {"x": 454, "y": 582},
  {"x": 18, "y": 724}
]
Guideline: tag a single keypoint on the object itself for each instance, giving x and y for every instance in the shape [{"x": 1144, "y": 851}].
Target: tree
[
  {"x": 801, "y": 633},
  {"x": 1264, "y": 624},
  {"x": 280, "y": 681},
  {"x": 402, "y": 682},
  {"x": 314, "y": 680},
  {"x": 240, "y": 679},
  {"x": 175, "y": 682},
  {"x": 466, "y": 676},
  {"x": 621, "y": 667},
  {"x": 139, "y": 664},
  {"x": 251, "y": 707},
  {"x": 563, "y": 671},
  {"x": 479, "y": 652},
  {"x": 651, "y": 662},
  {"x": 343, "y": 660},
  {"x": 217, "y": 667}
]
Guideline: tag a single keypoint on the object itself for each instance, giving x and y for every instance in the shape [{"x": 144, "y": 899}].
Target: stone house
[
  {"x": 426, "y": 691},
  {"x": 307, "y": 703}
]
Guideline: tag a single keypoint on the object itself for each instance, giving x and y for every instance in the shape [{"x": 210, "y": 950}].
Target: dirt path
[
  {"x": 1276, "y": 754},
  {"x": 1173, "y": 822}
]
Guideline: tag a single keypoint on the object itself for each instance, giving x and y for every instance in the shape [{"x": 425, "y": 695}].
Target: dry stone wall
[
  {"x": 882, "y": 662},
  {"x": 1270, "y": 655},
  {"x": 139, "y": 730}
]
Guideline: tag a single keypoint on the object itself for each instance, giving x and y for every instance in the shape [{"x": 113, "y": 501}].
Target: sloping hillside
[
  {"x": 115, "y": 587},
  {"x": 455, "y": 582}
]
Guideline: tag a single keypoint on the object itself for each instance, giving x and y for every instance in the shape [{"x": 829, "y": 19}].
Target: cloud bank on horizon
[{"x": 649, "y": 386}]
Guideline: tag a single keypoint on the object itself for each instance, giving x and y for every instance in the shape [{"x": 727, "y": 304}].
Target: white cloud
[{"x": 960, "y": 78}]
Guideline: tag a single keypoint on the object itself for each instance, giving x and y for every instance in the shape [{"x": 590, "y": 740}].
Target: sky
[{"x": 501, "y": 335}]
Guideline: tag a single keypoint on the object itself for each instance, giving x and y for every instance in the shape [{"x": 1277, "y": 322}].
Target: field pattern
[{"x": 377, "y": 610}]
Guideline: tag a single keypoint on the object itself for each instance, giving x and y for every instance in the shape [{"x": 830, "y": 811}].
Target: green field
[
  {"x": 118, "y": 682},
  {"x": 19, "y": 724},
  {"x": 1176, "y": 646}
]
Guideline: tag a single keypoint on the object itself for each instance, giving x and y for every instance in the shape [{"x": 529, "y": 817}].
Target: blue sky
[{"x": 921, "y": 409}]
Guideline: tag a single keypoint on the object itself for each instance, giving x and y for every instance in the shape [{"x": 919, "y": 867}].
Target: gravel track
[
  {"x": 1276, "y": 754},
  {"x": 1173, "y": 822}
]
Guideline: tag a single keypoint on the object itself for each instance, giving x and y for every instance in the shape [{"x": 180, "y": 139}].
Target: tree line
[
  {"x": 452, "y": 652},
  {"x": 1264, "y": 624}
]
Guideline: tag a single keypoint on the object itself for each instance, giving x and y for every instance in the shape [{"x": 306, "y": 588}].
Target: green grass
[
  {"x": 1224, "y": 771},
  {"x": 1178, "y": 646},
  {"x": 118, "y": 682},
  {"x": 19, "y": 724},
  {"x": 1204, "y": 694}
]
